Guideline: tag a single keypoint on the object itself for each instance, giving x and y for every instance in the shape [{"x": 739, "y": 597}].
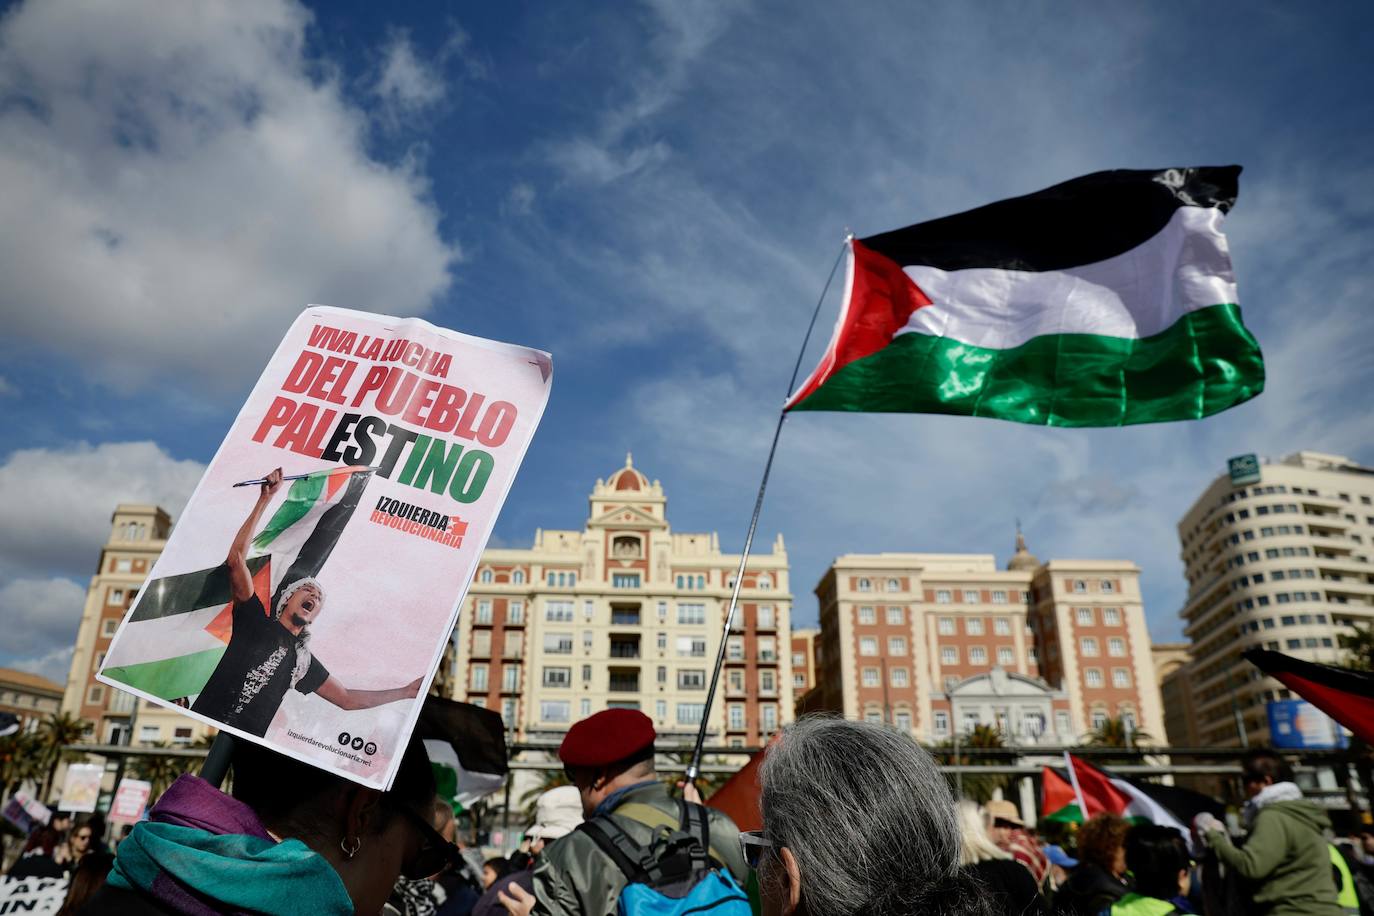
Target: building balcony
[
  {"x": 624, "y": 649},
  {"x": 624, "y": 618},
  {"x": 768, "y": 658},
  {"x": 623, "y": 680}
]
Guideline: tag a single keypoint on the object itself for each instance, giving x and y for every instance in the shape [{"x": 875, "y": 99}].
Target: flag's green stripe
[
  {"x": 170, "y": 678},
  {"x": 1206, "y": 362},
  {"x": 1069, "y": 814},
  {"x": 303, "y": 494},
  {"x": 188, "y": 592}
]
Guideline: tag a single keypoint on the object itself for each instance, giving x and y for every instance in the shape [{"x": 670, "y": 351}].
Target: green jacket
[
  {"x": 575, "y": 878},
  {"x": 1286, "y": 859}
]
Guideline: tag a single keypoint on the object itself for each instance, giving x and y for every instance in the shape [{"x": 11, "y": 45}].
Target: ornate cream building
[
  {"x": 1278, "y": 555},
  {"x": 939, "y": 643},
  {"x": 625, "y": 612}
]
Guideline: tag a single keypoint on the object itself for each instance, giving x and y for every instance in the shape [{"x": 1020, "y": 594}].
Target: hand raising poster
[{"x": 310, "y": 587}]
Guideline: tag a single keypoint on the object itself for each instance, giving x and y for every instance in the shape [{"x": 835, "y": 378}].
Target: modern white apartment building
[{"x": 1280, "y": 555}]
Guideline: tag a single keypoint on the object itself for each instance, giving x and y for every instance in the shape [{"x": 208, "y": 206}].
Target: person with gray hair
[
  {"x": 857, "y": 821},
  {"x": 267, "y": 654}
]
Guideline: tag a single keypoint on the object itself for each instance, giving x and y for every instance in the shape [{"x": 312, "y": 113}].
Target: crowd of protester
[{"x": 857, "y": 820}]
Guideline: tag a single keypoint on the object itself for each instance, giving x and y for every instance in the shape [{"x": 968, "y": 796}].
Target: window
[
  {"x": 977, "y": 655},
  {"x": 866, "y": 615},
  {"x": 124, "y": 565},
  {"x": 1001, "y": 626},
  {"x": 970, "y": 596},
  {"x": 510, "y": 677},
  {"x": 1088, "y": 646},
  {"x": 898, "y": 677},
  {"x": 894, "y": 585},
  {"x": 515, "y": 644},
  {"x": 769, "y": 712},
  {"x": 108, "y": 626},
  {"x": 1116, "y": 646},
  {"x": 589, "y": 640},
  {"x": 736, "y": 713},
  {"x": 557, "y": 677},
  {"x": 768, "y": 649},
  {"x": 663, "y": 642},
  {"x": 516, "y": 615},
  {"x": 558, "y": 643},
  {"x": 691, "y": 679},
  {"x": 766, "y": 616},
  {"x": 798, "y": 680},
  {"x": 588, "y": 609},
  {"x": 1085, "y": 616},
  {"x": 973, "y": 626},
  {"x": 95, "y": 695},
  {"x": 764, "y": 582},
  {"x": 1080, "y": 587},
  {"x": 1099, "y": 718},
  {"x": 896, "y": 616},
  {"x": 559, "y": 612},
  {"x": 999, "y": 596},
  {"x": 688, "y": 614},
  {"x": 902, "y": 721},
  {"x": 625, "y": 616},
  {"x": 690, "y": 713},
  {"x": 896, "y": 645},
  {"x": 148, "y": 734},
  {"x": 478, "y": 677},
  {"x": 868, "y": 645},
  {"x": 1092, "y": 677},
  {"x": 624, "y": 580},
  {"x": 768, "y": 682},
  {"x": 508, "y": 711},
  {"x": 865, "y": 585},
  {"x": 555, "y": 710},
  {"x": 1005, "y": 656},
  {"x": 663, "y": 674},
  {"x": 941, "y": 719},
  {"x": 943, "y": 596},
  {"x": 734, "y": 649},
  {"x": 734, "y": 680},
  {"x": 1111, "y": 616},
  {"x": 1121, "y": 677},
  {"x": 949, "y": 655},
  {"x": 873, "y": 717},
  {"x": 116, "y": 596},
  {"x": 870, "y": 677},
  {"x": 586, "y": 674},
  {"x": 518, "y": 577},
  {"x": 486, "y": 577},
  {"x": 1107, "y": 586},
  {"x": 946, "y": 626},
  {"x": 691, "y": 646}
]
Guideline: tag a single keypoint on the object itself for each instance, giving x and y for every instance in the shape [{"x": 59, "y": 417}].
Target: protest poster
[
  {"x": 81, "y": 788},
  {"x": 25, "y": 812},
  {"x": 129, "y": 800},
  {"x": 32, "y": 895},
  {"x": 311, "y": 585}
]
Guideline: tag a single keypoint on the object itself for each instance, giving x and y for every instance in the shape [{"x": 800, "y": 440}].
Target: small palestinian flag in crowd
[
  {"x": 192, "y": 613},
  {"x": 466, "y": 745},
  {"x": 1083, "y": 788},
  {"x": 1104, "y": 301},
  {"x": 1344, "y": 694}
]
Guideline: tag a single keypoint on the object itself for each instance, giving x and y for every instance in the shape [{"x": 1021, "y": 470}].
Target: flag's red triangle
[
  {"x": 1099, "y": 795},
  {"x": 222, "y": 627},
  {"x": 1055, "y": 791}
]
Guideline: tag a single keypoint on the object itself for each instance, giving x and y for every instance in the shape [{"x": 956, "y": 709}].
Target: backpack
[{"x": 674, "y": 875}]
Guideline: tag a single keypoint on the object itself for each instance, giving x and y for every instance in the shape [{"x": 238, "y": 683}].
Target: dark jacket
[
  {"x": 1010, "y": 886},
  {"x": 1089, "y": 891},
  {"x": 575, "y": 878}
]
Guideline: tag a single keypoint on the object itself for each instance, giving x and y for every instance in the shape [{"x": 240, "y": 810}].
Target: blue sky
[{"x": 654, "y": 192}]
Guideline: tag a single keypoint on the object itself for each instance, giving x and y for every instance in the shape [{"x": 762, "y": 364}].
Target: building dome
[
  {"x": 627, "y": 478},
  {"x": 1023, "y": 560}
]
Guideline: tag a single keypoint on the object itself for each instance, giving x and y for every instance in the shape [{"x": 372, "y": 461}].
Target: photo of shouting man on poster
[{"x": 268, "y": 653}]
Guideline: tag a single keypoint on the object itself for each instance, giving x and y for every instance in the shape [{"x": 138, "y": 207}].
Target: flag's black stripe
[
  {"x": 1359, "y": 683},
  {"x": 1184, "y": 804},
  {"x": 1081, "y": 221},
  {"x": 320, "y": 544},
  {"x": 478, "y": 735},
  {"x": 188, "y": 592}
]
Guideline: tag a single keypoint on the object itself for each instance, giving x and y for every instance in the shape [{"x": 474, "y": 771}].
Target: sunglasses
[
  {"x": 436, "y": 854},
  {"x": 752, "y": 845}
]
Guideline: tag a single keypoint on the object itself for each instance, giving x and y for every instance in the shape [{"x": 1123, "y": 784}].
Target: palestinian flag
[
  {"x": 1097, "y": 791},
  {"x": 1058, "y": 801},
  {"x": 1103, "y": 301},
  {"x": 1344, "y": 694},
  {"x": 184, "y": 622},
  {"x": 466, "y": 745}
]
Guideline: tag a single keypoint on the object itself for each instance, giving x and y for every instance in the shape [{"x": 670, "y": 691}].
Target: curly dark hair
[{"x": 1101, "y": 838}]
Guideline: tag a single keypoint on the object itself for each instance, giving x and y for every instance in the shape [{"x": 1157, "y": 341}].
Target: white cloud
[
  {"x": 54, "y": 665},
  {"x": 406, "y": 85},
  {"x": 180, "y": 181},
  {"x": 41, "y": 615},
  {"x": 55, "y": 503},
  {"x": 520, "y": 199}
]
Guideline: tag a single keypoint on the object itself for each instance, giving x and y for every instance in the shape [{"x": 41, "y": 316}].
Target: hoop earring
[{"x": 350, "y": 846}]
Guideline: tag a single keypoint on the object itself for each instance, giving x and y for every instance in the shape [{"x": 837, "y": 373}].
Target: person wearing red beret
[{"x": 610, "y": 758}]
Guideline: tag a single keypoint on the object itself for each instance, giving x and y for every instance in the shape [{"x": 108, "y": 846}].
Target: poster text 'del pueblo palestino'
[{"x": 310, "y": 586}]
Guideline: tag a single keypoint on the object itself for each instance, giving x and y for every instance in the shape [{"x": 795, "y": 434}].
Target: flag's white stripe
[
  {"x": 1184, "y": 267},
  {"x": 164, "y": 637},
  {"x": 1142, "y": 805}
]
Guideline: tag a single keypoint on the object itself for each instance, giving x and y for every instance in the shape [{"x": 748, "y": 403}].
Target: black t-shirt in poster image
[{"x": 247, "y": 686}]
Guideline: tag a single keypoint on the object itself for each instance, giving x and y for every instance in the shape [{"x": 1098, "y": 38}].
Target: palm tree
[
  {"x": 54, "y": 733},
  {"x": 1359, "y": 648},
  {"x": 982, "y": 737},
  {"x": 707, "y": 783},
  {"x": 21, "y": 760},
  {"x": 1117, "y": 733}
]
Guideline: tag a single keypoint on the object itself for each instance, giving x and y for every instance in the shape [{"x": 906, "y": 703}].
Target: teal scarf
[{"x": 195, "y": 871}]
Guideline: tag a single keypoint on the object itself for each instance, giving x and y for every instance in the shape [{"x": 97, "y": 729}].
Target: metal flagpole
[{"x": 694, "y": 767}]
